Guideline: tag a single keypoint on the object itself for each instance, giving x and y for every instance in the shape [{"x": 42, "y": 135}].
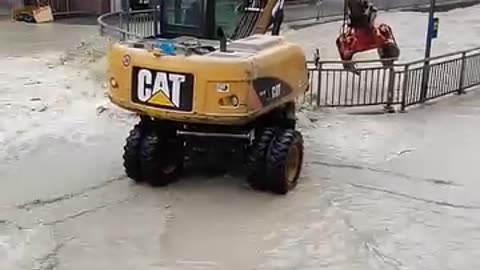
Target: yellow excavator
[{"x": 203, "y": 85}]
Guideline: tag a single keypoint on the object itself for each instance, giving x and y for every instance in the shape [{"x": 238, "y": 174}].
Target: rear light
[
  {"x": 234, "y": 100},
  {"x": 229, "y": 101},
  {"x": 113, "y": 83}
]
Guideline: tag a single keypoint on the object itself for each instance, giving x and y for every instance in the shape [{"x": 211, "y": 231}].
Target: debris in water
[
  {"x": 40, "y": 109},
  {"x": 62, "y": 60},
  {"x": 33, "y": 83},
  {"x": 400, "y": 153},
  {"x": 405, "y": 151},
  {"x": 314, "y": 119},
  {"x": 101, "y": 109}
]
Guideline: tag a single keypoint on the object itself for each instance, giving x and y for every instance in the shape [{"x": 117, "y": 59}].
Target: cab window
[
  {"x": 183, "y": 12},
  {"x": 227, "y": 15}
]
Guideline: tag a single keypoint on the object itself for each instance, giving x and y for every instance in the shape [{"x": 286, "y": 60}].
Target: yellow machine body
[{"x": 252, "y": 77}]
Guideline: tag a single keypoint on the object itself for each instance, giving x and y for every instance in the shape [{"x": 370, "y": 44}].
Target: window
[
  {"x": 183, "y": 12},
  {"x": 227, "y": 15},
  {"x": 139, "y": 4}
]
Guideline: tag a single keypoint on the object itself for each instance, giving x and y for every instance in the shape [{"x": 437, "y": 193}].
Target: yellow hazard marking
[{"x": 160, "y": 99}]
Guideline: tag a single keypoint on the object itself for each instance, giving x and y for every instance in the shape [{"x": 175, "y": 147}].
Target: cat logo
[{"x": 162, "y": 89}]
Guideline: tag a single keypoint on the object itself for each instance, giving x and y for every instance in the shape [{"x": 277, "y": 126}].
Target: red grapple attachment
[{"x": 359, "y": 39}]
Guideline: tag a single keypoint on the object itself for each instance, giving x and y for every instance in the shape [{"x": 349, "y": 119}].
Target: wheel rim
[{"x": 293, "y": 164}]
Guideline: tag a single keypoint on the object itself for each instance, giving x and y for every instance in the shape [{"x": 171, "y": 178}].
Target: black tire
[
  {"x": 131, "y": 154},
  {"x": 161, "y": 158},
  {"x": 287, "y": 144},
  {"x": 256, "y": 159}
]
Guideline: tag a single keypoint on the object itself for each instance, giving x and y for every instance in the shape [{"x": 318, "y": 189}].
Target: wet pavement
[
  {"x": 19, "y": 38},
  {"x": 393, "y": 191}
]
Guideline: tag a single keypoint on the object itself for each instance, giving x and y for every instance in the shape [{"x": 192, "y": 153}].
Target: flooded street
[{"x": 396, "y": 191}]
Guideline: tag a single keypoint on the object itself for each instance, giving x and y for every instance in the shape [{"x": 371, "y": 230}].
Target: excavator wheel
[
  {"x": 256, "y": 159},
  {"x": 131, "y": 162},
  {"x": 161, "y": 157},
  {"x": 284, "y": 161}
]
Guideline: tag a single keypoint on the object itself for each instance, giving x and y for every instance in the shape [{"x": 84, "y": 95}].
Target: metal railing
[
  {"x": 128, "y": 25},
  {"x": 333, "y": 86},
  {"x": 447, "y": 74},
  {"x": 400, "y": 84}
]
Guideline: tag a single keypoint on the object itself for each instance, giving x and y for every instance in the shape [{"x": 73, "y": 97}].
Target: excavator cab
[
  {"x": 202, "y": 18},
  {"x": 360, "y": 33}
]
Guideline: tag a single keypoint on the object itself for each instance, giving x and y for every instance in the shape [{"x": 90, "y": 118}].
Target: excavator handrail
[{"x": 118, "y": 30}]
